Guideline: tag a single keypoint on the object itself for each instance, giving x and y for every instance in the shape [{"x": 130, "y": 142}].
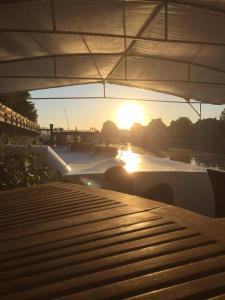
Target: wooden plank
[
  {"x": 83, "y": 236},
  {"x": 125, "y": 198},
  {"x": 84, "y": 276},
  {"x": 57, "y": 199},
  {"x": 202, "y": 288},
  {"x": 75, "y": 242},
  {"x": 77, "y": 201},
  {"x": 220, "y": 297},
  {"x": 58, "y": 216},
  {"x": 210, "y": 227},
  {"x": 24, "y": 193},
  {"x": 78, "y": 227},
  {"x": 151, "y": 235},
  {"x": 38, "y": 195},
  {"x": 84, "y": 254},
  {"x": 52, "y": 214},
  {"x": 67, "y": 222},
  {"x": 10, "y": 217},
  {"x": 186, "y": 274}
]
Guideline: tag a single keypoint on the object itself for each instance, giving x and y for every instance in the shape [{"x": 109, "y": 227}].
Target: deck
[{"x": 65, "y": 241}]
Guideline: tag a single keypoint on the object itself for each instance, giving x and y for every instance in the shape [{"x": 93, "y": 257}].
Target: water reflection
[
  {"x": 137, "y": 159},
  {"x": 132, "y": 160},
  {"x": 207, "y": 159}
]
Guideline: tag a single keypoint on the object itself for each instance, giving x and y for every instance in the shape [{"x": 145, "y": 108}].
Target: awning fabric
[{"x": 175, "y": 47}]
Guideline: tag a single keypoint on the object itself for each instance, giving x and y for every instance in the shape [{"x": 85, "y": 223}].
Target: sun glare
[{"x": 128, "y": 114}]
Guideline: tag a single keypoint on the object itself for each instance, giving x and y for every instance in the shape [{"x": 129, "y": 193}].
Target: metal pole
[
  {"x": 125, "y": 40},
  {"x": 199, "y": 128},
  {"x": 199, "y": 133},
  {"x": 67, "y": 119},
  {"x": 108, "y": 97},
  {"x": 51, "y": 134},
  {"x": 166, "y": 19},
  {"x": 104, "y": 92}
]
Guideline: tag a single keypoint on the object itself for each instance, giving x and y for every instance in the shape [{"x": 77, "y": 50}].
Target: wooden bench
[{"x": 65, "y": 241}]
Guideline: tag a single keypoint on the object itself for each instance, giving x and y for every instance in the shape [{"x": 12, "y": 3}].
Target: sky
[{"x": 88, "y": 113}]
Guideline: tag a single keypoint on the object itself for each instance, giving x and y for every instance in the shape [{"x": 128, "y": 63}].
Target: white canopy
[{"x": 175, "y": 47}]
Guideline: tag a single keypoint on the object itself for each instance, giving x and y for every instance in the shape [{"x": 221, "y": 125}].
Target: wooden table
[{"x": 65, "y": 241}]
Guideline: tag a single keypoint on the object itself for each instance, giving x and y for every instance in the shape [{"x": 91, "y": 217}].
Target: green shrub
[{"x": 22, "y": 169}]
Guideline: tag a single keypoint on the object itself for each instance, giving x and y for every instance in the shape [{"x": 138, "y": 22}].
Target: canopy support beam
[
  {"x": 134, "y": 38},
  {"x": 199, "y": 133},
  {"x": 125, "y": 32},
  {"x": 166, "y": 19},
  {"x": 194, "y": 5},
  {"x": 199, "y": 114},
  {"x": 104, "y": 90},
  {"x": 131, "y": 45},
  {"x": 189, "y": 63},
  {"x": 114, "y": 80},
  {"x": 53, "y": 14},
  {"x": 108, "y": 97},
  {"x": 92, "y": 57}
]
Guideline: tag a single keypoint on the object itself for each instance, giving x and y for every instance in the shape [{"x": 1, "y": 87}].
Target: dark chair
[
  {"x": 217, "y": 179},
  {"x": 160, "y": 192},
  {"x": 118, "y": 179}
]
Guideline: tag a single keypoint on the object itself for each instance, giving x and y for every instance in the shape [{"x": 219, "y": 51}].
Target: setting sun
[{"x": 128, "y": 114}]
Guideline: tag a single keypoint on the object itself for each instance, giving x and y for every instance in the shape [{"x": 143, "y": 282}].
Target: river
[{"x": 132, "y": 158}]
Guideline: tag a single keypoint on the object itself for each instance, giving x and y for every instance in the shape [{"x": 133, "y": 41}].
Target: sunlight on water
[{"x": 132, "y": 160}]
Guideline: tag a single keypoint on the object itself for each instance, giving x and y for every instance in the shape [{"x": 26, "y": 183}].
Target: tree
[
  {"x": 124, "y": 135},
  {"x": 157, "y": 127},
  {"x": 212, "y": 133},
  {"x": 109, "y": 132},
  {"x": 181, "y": 127},
  {"x": 182, "y": 131},
  {"x": 156, "y": 134},
  {"x": 19, "y": 102},
  {"x": 137, "y": 134}
]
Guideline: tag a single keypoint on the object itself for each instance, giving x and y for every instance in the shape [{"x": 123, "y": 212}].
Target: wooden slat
[
  {"x": 25, "y": 195},
  {"x": 94, "y": 250},
  {"x": 202, "y": 288},
  {"x": 67, "y": 222},
  {"x": 77, "y": 227},
  {"x": 155, "y": 281},
  {"x": 63, "y": 241},
  {"x": 210, "y": 227},
  {"x": 52, "y": 214},
  {"x": 86, "y": 246},
  {"x": 125, "y": 198},
  {"x": 84, "y": 236},
  {"x": 50, "y": 201},
  {"x": 220, "y": 297},
  {"x": 108, "y": 270},
  {"x": 58, "y": 216},
  {"x": 76, "y": 201}
]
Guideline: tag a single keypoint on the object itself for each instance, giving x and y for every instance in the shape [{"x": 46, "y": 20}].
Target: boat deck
[{"x": 65, "y": 241}]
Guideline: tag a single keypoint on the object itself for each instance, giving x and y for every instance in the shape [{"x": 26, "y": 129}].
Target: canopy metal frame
[
  {"x": 130, "y": 41},
  {"x": 128, "y": 46}
]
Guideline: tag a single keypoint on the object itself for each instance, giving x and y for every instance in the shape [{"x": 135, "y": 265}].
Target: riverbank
[{"x": 191, "y": 156}]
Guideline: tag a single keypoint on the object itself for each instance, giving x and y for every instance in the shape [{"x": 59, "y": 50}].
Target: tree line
[{"x": 208, "y": 133}]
